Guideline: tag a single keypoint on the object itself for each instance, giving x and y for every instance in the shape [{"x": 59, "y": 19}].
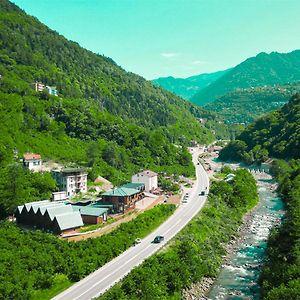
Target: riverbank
[{"x": 249, "y": 241}]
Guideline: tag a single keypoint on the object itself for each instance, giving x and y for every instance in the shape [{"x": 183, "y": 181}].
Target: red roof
[{"x": 31, "y": 156}]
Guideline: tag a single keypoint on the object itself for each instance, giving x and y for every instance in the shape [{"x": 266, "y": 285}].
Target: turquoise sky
[{"x": 181, "y": 38}]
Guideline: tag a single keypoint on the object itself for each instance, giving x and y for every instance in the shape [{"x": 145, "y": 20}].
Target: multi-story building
[
  {"x": 71, "y": 180},
  {"x": 52, "y": 90},
  {"x": 32, "y": 161},
  {"x": 39, "y": 87},
  {"x": 148, "y": 178}
]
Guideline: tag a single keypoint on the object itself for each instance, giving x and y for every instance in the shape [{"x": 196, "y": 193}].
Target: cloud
[
  {"x": 169, "y": 54},
  {"x": 199, "y": 62}
]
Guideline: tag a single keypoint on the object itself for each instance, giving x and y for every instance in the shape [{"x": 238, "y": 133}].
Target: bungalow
[
  {"x": 122, "y": 198},
  {"x": 90, "y": 214},
  {"x": 148, "y": 178},
  {"x": 32, "y": 162}
]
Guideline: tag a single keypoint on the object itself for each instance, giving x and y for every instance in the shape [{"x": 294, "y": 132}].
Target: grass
[{"x": 60, "y": 283}]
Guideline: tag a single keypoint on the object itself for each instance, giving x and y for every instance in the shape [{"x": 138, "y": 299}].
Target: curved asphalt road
[{"x": 102, "y": 279}]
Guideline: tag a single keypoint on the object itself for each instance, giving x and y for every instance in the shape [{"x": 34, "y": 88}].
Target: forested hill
[
  {"x": 246, "y": 105},
  {"x": 263, "y": 69},
  {"x": 277, "y": 134},
  {"x": 30, "y": 52},
  {"x": 112, "y": 122},
  {"x": 188, "y": 87}
]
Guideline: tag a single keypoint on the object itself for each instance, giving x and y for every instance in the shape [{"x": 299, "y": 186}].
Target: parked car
[
  {"x": 137, "y": 241},
  {"x": 202, "y": 193},
  {"x": 158, "y": 239}
]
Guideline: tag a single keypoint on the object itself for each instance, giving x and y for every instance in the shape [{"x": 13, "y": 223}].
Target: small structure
[
  {"x": 122, "y": 198},
  {"x": 229, "y": 177},
  {"x": 32, "y": 162},
  {"x": 148, "y": 178},
  {"x": 52, "y": 90},
  {"x": 59, "y": 196},
  {"x": 38, "y": 86},
  {"x": 71, "y": 180},
  {"x": 90, "y": 214}
]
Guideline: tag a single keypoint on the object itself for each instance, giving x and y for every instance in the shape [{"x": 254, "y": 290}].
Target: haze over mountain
[
  {"x": 263, "y": 69},
  {"x": 188, "y": 87}
]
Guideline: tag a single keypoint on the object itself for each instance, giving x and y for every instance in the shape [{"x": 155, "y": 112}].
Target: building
[
  {"x": 91, "y": 215},
  {"x": 71, "y": 180},
  {"x": 50, "y": 216},
  {"x": 59, "y": 196},
  {"x": 148, "y": 178},
  {"x": 32, "y": 162},
  {"x": 52, "y": 90},
  {"x": 38, "y": 86},
  {"x": 122, "y": 198}
]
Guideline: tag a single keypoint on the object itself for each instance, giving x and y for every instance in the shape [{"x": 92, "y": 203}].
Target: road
[{"x": 105, "y": 277}]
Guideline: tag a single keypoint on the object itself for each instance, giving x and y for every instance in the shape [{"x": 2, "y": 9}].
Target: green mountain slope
[
  {"x": 188, "y": 87},
  {"x": 33, "y": 52},
  {"x": 263, "y": 69},
  {"x": 246, "y": 105},
  {"x": 104, "y": 118},
  {"x": 276, "y": 134}
]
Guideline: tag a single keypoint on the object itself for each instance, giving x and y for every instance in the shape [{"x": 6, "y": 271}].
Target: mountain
[
  {"x": 276, "y": 134},
  {"x": 263, "y": 69},
  {"x": 188, "y": 87},
  {"x": 104, "y": 118},
  {"x": 243, "y": 106}
]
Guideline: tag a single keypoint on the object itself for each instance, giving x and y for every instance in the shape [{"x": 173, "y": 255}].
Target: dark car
[
  {"x": 158, "y": 239},
  {"x": 202, "y": 193}
]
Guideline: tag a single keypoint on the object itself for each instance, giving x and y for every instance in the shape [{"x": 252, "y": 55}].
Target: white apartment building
[
  {"x": 71, "y": 180},
  {"x": 148, "y": 178}
]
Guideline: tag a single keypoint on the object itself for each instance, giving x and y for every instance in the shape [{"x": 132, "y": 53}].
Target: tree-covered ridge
[
  {"x": 263, "y": 69},
  {"x": 277, "y": 134},
  {"x": 188, "y": 87},
  {"x": 280, "y": 277},
  {"x": 246, "y": 105},
  {"x": 30, "y": 51},
  {"x": 197, "y": 251}
]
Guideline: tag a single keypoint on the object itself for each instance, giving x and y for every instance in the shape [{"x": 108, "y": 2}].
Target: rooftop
[
  {"x": 121, "y": 191},
  {"x": 131, "y": 185},
  {"x": 68, "y": 220},
  {"x": 90, "y": 210},
  {"x": 31, "y": 156},
  {"x": 148, "y": 173}
]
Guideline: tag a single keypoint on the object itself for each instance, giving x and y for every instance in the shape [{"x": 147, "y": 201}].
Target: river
[{"x": 238, "y": 278}]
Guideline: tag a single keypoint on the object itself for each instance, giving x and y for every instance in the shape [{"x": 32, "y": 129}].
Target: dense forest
[
  {"x": 197, "y": 251},
  {"x": 32, "y": 262},
  {"x": 276, "y": 134},
  {"x": 280, "y": 277},
  {"x": 104, "y": 118},
  {"x": 246, "y": 105},
  {"x": 263, "y": 69}
]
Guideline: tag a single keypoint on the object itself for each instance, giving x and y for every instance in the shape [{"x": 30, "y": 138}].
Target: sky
[{"x": 179, "y": 38}]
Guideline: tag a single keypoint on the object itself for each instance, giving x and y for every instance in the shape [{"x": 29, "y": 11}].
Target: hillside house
[
  {"x": 148, "y": 178},
  {"x": 52, "y": 90},
  {"x": 39, "y": 87},
  {"x": 71, "y": 180},
  {"x": 122, "y": 198},
  {"x": 32, "y": 162}
]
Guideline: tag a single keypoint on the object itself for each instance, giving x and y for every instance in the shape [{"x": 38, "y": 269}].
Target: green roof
[
  {"x": 121, "y": 192},
  {"x": 89, "y": 210},
  {"x": 69, "y": 220},
  {"x": 131, "y": 185},
  {"x": 57, "y": 210}
]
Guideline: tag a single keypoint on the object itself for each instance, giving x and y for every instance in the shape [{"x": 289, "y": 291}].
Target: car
[
  {"x": 198, "y": 163},
  {"x": 202, "y": 193},
  {"x": 158, "y": 239},
  {"x": 137, "y": 241}
]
